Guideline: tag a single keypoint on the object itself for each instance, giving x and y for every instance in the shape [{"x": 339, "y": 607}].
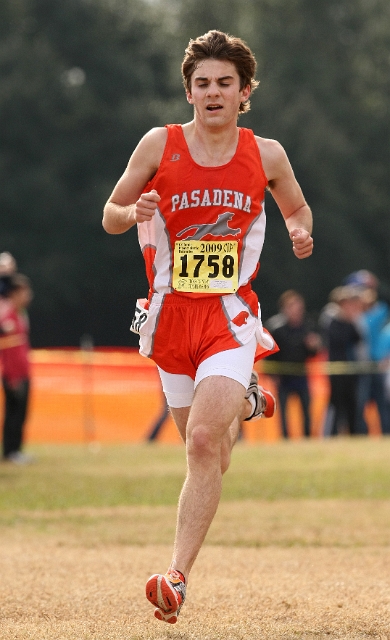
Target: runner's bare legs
[{"x": 209, "y": 428}]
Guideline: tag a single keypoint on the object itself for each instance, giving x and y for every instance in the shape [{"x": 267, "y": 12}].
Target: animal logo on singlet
[{"x": 218, "y": 229}]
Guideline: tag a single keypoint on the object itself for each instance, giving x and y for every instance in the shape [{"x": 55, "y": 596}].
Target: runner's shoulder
[
  {"x": 273, "y": 156},
  {"x": 156, "y": 134},
  {"x": 150, "y": 149},
  {"x": 270, "y": 148}
]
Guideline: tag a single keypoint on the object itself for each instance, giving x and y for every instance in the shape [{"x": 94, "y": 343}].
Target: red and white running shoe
[
  {"x": 167, "y": 593},
  {"x": 263, "y": 400}
]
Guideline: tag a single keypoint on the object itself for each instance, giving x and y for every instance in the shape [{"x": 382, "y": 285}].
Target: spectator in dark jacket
[
  {"x": 297, "y": 339},
  {"x": 344, "y": 339}
]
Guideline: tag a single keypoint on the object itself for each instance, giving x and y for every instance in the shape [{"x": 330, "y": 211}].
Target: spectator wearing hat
[
  {"x": 374, "y": 318},
  {"x": 7, "y": 269}
]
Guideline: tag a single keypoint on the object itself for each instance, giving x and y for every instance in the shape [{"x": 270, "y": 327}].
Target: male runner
[{"x": 196, "y": 192}]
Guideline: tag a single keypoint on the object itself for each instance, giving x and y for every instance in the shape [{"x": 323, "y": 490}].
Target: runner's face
[{"x": 215, "y": 92}]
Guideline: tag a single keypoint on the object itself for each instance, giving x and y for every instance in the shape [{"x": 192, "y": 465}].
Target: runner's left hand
[{"x": 302, "y": 243}]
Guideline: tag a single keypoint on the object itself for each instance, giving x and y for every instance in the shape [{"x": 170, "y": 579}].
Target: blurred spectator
[
  {"x": 375, "y": 316},
  {"x": 14, "y": 355},
  {"x": 160, "y": 420},
  {"x": 297, "y": 340},
  {"x": 383, "y": 353},
  {"x": 7, "y": 269},
  {"x": 343, "y": 341}
]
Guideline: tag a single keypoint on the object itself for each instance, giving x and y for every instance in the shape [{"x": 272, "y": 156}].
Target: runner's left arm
[{"x": 288, "y": 196}]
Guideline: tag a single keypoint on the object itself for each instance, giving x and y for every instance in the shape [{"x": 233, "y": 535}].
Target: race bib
[
  {"x": 140, "y": 316},
  {"x": 205, "y": 267}
]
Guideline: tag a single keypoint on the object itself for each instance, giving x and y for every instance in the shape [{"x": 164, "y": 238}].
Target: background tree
[{"x": 83, "y": 81}]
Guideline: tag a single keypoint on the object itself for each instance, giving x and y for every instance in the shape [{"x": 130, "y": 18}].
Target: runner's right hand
[{"x": 146, "y": 206}]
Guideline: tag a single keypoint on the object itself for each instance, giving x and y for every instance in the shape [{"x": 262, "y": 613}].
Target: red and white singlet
[{"x": 203, "y": 245}]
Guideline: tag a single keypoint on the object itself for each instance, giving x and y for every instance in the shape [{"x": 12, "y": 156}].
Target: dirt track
[{"x": 51, "y": 589}]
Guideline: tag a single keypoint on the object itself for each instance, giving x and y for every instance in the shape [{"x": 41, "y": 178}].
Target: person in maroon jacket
[{"x": 14, "y": 358}]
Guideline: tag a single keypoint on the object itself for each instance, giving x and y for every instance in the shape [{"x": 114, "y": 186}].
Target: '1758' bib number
[{"x": 205, "y": 267}]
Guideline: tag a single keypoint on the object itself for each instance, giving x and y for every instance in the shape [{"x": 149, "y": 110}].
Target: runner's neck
[{"x": 211, "y": 149}]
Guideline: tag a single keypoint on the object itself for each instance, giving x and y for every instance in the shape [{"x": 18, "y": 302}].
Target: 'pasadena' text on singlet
[{"x": 218, "y": 197}]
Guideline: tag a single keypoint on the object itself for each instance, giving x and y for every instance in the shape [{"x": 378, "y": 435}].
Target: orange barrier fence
[{"x": 115, "y": 396}]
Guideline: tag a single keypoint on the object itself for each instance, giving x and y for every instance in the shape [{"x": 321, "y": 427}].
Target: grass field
[{"x": 299, "y": 547}]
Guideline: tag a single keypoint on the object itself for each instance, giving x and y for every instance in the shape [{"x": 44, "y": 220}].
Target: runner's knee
[{"x": 201, "y": 444}]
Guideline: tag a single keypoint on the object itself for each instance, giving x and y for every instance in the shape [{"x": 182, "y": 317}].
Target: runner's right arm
[{"x": 126, "y": 206}]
